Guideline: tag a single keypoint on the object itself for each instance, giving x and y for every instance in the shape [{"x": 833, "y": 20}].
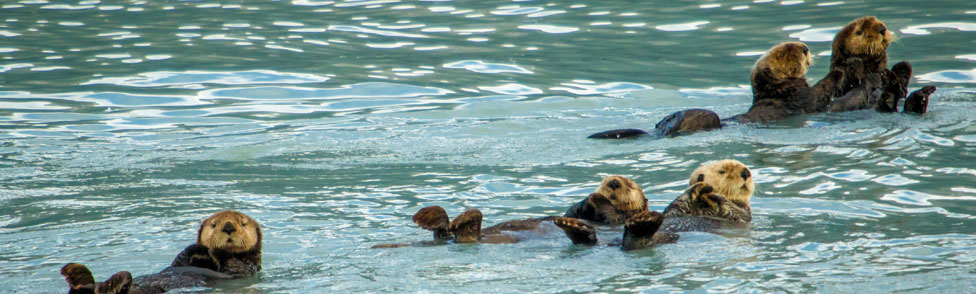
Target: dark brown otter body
[
  {"x": 779, "y": 90},
  {"x": 860, "y": 49},
  {"x": 228, "y": 246}
]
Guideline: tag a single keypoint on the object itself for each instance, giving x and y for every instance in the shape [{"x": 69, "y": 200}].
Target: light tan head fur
[
  {"x": 728, "y": 177},
  {"x": 785, "y": 60},
  {"x": 623, "y": 193},
  {"x": 864, "y": 36},
  {"x": 230, "y": 231}
]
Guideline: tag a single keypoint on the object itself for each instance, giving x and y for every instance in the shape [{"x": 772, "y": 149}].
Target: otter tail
[
  {"x": 433, "y": 218},
  {"x": 618, "y": 134},
  {"x": 466, "y": 227}
]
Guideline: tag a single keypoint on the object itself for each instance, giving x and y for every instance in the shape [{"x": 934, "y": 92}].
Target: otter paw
[
  {"x": 700, "y": 195},
  {"x": 644, "y": 224},
  {"x": 577, "y": 231},
  {"x": 431, "y": 217},
  {"x": 918, "y": 101},
  {"x": 466, "y": 227}
]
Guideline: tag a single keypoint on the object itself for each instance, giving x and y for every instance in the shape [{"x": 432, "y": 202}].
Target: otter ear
[
  {"x": 699, "y": 179},
  {"x": 257, "y": 227}
]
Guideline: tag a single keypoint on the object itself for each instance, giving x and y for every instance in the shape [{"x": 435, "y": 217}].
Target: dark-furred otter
[
  {"x": 719, "y": 194},
  {"x": 614, "y": 201},
  {"x": 779, "y": 90},
  {"x": 860, "y": 48},
  {"x": 228, "y": 246}
]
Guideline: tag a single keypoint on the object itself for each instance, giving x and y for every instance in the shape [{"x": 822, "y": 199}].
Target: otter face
[
  {"x": 865, "y": 36},
  {"x": 728, "y": 177},
  {"x": 623, "y": 193},
  {"x": 230, "y": 231},
  {"x": 785, "y": 60}
]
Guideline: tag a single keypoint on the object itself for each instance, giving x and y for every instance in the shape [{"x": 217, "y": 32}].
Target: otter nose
[
  {"x": 614, "y": 184},
  {"x": 882, "y": 30},
  {"x": 746, "y": 174},
  {"x": 228, "y": 228}
]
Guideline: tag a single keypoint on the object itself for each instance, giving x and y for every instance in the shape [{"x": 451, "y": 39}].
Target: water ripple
[
  {"x": 483, "y": 67},
  {"x": 361, "y": 90}
]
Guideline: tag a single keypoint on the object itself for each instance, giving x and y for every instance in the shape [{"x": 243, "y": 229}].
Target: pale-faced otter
[
  {"x": 860, "y": 49},
  {"x": 81, "y": 281},
  {"x": 779, "y": 90},
  {"x": 719, "y": 193},
  {"x": 228, "y": 246},
  {"x": 733, "y": 185},
  {"x": 228, "y": 242}
]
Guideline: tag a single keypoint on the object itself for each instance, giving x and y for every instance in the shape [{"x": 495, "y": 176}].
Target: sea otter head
[
  {"x": 230, "y": 231},
  {"x": 623, "y": 193},
  {"x": 866, "y": 36},
  {"x": 728, "y": 177},
  {"x": 785, "y": 60}
]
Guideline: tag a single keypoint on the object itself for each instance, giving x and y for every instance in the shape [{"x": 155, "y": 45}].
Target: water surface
[{"x": 122, "y": 125}]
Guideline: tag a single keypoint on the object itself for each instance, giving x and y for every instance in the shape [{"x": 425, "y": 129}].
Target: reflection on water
[{"x": 332, "y": 122}]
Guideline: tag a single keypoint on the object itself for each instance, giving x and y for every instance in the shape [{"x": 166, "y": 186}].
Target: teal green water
[{"x": 123, "y": 124}]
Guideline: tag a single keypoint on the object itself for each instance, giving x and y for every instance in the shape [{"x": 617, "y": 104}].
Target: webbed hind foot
[
  {"x": 640, "y": 230},
  {"x": 466, "y": 227},
  {"x": 918, "y": 101},
  {"x": 578, "y": 231}
]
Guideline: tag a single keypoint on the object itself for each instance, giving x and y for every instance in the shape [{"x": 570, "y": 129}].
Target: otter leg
[
  {"x": 618, "y": 134},
  {"x": 688, "y": 121},
  {"x": 433, "y": 218},
  {"x": 466, "y": 227},
  {"x": 918, "y": 102},
  {"x": 577, "y": 230},
  {"x": 640, "y": 230},
  {"x": 895, "y": 86},
  {"x": 119, "y": 283}
]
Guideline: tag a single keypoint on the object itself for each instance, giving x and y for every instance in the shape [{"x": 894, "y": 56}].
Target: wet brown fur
[
  {"x": 615, "y": 200},
  {"x": 860, "y": 49},
  {"x": 80, "y": 280},
  {"x": 228, "y": 242},
  {"x": 720, "y": 190}
]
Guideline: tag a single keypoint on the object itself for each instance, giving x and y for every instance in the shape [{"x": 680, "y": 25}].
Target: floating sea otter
[
  {"x": 861, "y": 48},
  {"x": 858, "y": 79},
  {"x": 228, "y": 246},
  {"x": 779, "y": 90},
  {"x": 614, "y": 201},
  {"x": 719, "y": 194}
]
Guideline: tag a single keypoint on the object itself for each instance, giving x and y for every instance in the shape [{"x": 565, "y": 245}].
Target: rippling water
[{"x": 123, "y": 124}]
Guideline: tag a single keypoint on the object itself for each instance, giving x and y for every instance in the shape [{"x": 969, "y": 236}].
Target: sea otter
[
  {"x": 779, "y": 90},
  {"x": 860, "y": 48},
  {"x": 81, "y": 281},
  {"x": 719, "y": 194},
  {"x": 614, "y": 201},
  {"x": 228, "y": 246}
]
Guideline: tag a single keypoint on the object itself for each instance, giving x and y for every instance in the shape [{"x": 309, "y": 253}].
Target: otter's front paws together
[{"x": 703, "y": 195}]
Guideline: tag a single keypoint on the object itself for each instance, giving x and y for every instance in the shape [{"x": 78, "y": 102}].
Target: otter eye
[
  {"x": 701, "y": 177},
  {"x": 213, "y": 225},
  {"x": 721, "y": 172},
  {"x": 243, "y": 224},
  {"x": 858, "y": 32},
  {"x": 806, "y": 50}
]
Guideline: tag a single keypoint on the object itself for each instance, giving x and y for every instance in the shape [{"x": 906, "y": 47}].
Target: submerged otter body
[{"x": 228, "y": 246}]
